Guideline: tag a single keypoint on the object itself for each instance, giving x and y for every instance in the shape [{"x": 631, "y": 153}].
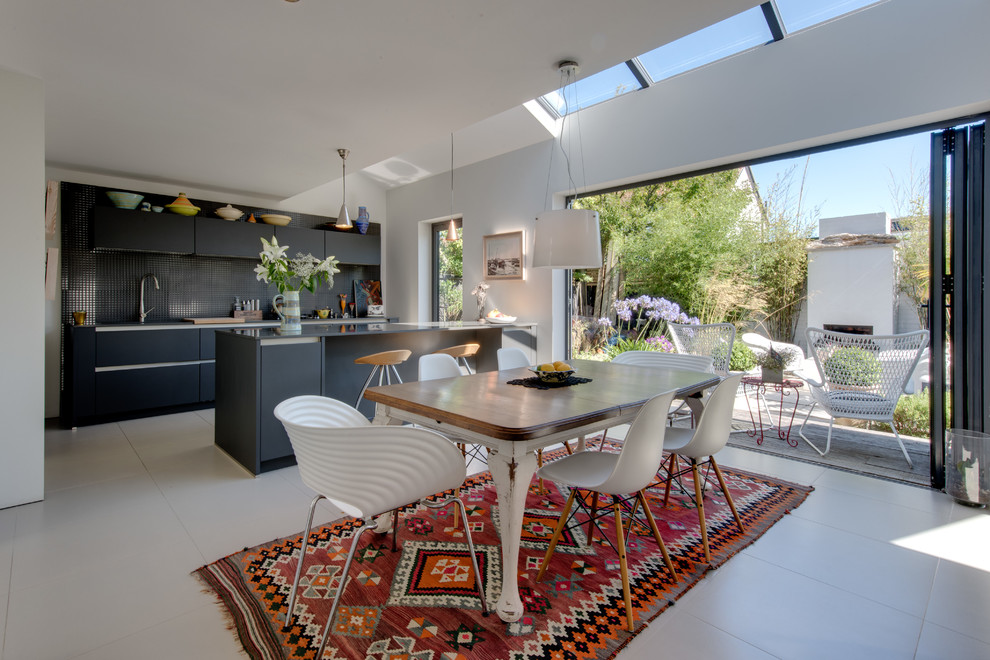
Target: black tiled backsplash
[{"x": 106, "y": 284}]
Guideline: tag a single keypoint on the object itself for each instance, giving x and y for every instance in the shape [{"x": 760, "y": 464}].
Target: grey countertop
[{"x": 325, "y": 329}]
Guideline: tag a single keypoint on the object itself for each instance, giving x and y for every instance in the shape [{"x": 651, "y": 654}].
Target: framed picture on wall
[{"x": 503, "y": 256}]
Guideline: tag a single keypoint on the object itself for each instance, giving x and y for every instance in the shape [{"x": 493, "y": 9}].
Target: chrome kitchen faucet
[{"x": 142, "y": 314}]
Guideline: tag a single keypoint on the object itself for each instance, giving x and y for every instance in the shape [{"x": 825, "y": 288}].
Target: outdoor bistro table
[
  {"x": 514, "y": 421},
  {"x": 759, "y": 386}
]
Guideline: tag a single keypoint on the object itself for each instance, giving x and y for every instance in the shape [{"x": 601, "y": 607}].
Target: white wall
[
  {"x": 22, "y": 188},
  {"x": 864, "y": 223},
  {"x": 852, "y": 286},
  {"x": 860, "y": 75}
]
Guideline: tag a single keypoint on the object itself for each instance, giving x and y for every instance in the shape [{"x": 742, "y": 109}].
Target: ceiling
[{"x": 255, "y": 96}]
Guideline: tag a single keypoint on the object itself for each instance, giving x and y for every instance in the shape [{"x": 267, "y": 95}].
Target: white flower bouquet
[{"x": 304, "y": 271}]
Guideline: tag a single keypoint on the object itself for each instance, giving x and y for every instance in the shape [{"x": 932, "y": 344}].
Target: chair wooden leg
[
  {"x": 700, "y": 502},
  {"x": 539, "y": 481},
  {"x": 725, "y": 491},
  {"x": 594, "y": 514},
  {"x": 656, "y": 535},
  {"x": 556, "y": 534},
  {"x": 621, "y": 547},
  {"x": 567, "y": 446}
]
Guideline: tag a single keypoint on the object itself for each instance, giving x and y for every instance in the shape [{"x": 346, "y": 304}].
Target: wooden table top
[{"x": 486, "y": 404}]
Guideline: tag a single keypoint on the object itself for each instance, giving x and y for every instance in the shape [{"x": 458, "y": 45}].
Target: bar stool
[
  {"x": 384, "y": 364},
  {"x": 461, "y": 353}
]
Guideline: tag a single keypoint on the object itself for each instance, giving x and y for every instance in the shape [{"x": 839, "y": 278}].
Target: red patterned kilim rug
[{"x": 420, "y": 603}]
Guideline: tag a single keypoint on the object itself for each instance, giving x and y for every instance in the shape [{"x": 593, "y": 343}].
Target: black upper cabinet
[
  {"x": 223, "y": 238},
  {"x": 126, "y": 229},
  {"x": 299, "y": 239},
  {"x": 365, "y": 249}
]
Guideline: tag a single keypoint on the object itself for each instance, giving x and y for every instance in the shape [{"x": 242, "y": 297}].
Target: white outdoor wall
[
  {"x": 865, "y": 223},
  {"x": 852, "y": 285},
  {"x": 860, "y": 75},
  {"x": 22, "y": 188}
]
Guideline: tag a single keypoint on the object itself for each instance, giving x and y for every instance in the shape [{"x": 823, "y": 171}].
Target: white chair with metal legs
[
  {"x": 461, "y": 353},
  {"x": 366, "y": 471},
  {"x": 713, "y": 339},
  {"x": 441, "y": 365},
  {"x": 699, "y": 446},
  {"x": 511, "y": 358},
  {"x": 515, "y": 358},
  {"x": 661, "y": 360},
  {"x": 627, "y": 473},
  {"x": 862, "y": 376}
]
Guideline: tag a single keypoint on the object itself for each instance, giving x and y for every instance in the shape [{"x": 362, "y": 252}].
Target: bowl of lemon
[{"x": 553, "y": 372}]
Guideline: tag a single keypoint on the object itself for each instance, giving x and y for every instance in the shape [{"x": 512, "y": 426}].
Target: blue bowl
[{"x": 124, "y": 200}]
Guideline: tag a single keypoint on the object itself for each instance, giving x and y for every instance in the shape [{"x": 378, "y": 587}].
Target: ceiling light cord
[{"x": 567, "y": 71}]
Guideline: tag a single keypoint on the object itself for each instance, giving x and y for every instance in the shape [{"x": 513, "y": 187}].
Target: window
[
  {"x": 594, "y": 89},
  {"x": 725, "y": 38},
  {"x": 448, "y": 298},
  {"x": 800, "y": 14}
]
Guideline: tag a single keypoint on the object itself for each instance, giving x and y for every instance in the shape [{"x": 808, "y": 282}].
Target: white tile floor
[{"x": 100, "y": 568}]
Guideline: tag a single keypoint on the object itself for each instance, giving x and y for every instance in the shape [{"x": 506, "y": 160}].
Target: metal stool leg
[{"x": 366, "y": 383}]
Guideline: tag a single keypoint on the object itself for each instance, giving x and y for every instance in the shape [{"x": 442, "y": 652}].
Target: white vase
[{"x": 288, "y": 312}]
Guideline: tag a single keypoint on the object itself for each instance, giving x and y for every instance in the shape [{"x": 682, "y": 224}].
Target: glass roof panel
[
  {"x": 599, "y": 87},
  {"x": 728, "y": 37},
  {"x": 800, "y": 14}
]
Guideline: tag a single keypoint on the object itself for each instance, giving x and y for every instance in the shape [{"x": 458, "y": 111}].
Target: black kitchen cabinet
[
  {"x": 222, "y": 238},
  {"x": 126, "y": 229},
  {"x": 146, "y": 346},
  {"x": 300, "y": 239},
  {"x": 152, "y": 387},
  {"x": 361, "y": 249}
]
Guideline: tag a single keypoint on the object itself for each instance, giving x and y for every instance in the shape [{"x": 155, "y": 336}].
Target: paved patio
[{"x": 857, "y": 450}]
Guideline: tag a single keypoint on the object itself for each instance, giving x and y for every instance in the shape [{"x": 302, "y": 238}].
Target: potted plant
[
  {"x": 851, "y": 367},
  {"x": 772, "y": 363}
]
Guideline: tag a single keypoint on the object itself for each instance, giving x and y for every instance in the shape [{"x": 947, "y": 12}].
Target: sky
[{"x": 856, "y": 179}]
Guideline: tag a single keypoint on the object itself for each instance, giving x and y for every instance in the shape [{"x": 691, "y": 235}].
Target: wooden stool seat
[
  {"x": 385, "y": 358},
  {"x": 461, "y": 353},
  {"x": 384, "y": 365}
]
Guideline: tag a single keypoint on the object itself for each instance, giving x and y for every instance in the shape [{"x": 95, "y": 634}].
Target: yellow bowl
[
  {"x": 323, "y": 313},
  {"x": 182, "y": 209}
]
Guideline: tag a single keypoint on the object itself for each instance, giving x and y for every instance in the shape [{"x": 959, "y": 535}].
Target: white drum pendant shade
[{"x": 568, "y": 238}]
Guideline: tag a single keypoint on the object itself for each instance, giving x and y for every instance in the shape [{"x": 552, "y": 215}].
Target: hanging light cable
[
  {"x": 343, "y": 218},
  {"x": 566, "y": 238},
  {"x": 452, "y": 228}
]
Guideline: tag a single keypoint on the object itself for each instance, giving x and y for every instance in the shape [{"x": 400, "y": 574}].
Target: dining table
[{"x": 513, "y": 421}]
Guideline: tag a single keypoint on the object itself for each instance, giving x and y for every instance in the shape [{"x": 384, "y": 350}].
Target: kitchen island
[{"x": 256, "y": 368}]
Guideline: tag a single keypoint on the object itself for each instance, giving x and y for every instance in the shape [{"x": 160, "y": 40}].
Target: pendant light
[
  {"x": 567, "y": 238},
  {"x": 452, "y": 227},
  {"x": 343, "y": 219}
]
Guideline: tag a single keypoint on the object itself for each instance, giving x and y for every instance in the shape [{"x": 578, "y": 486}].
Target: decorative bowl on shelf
[
  {"x": 275, "y": 219},
  {"x": 124, "y": 200},
  {"x": 553, "y": 376},
  {"x": 182, "y": 206},
  {"x": 501, "y": 320},
  {"x": 229, "y": 213}
]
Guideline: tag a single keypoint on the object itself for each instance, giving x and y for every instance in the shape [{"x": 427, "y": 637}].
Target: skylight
[
  {"x": 733, "y": 35},
  {"x": 594, "y": 89},
  {"x": 800, "y": 14},
  {"x": 767, "y": 22}
]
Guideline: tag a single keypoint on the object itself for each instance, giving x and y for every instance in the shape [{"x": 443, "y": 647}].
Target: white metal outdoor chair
[
  {"x": 626, "y": 473},
  {"x": 714, "y": 340},
  {"x": 699, "y": 446},
  {"x": 862, "y": 376},
  {"x": 760, "y": 345},
  {"x": 367, "y": 470}
]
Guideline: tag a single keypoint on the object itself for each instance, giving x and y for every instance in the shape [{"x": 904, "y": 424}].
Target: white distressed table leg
[
  {"x": 512, "y": 473},
  {"x": 581, "y": 443}
]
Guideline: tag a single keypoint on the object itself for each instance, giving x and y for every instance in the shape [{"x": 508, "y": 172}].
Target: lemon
[
  {"x": 546, "y": 367},
  {"x": 561, "y": 366}
]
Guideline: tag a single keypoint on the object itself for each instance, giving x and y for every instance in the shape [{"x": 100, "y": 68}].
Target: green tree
[
  {"x": 913, "y": 265},
  {"x": 451, "y": 278}
]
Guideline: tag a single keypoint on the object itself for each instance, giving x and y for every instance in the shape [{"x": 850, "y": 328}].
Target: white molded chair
[
  {"x": 461, "y": 353},
  {"x": 661, "y": 360},
  {"x": 760, "y": 345},
  {"x": 714, "y": 340},
  {"x": 699, "y": 446},
  {"x": 511, "y": 358},
  {"x": 862, "y": 376},
  {"x": 627, "y": 473},
  {"x": 367, "y": 470}
]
